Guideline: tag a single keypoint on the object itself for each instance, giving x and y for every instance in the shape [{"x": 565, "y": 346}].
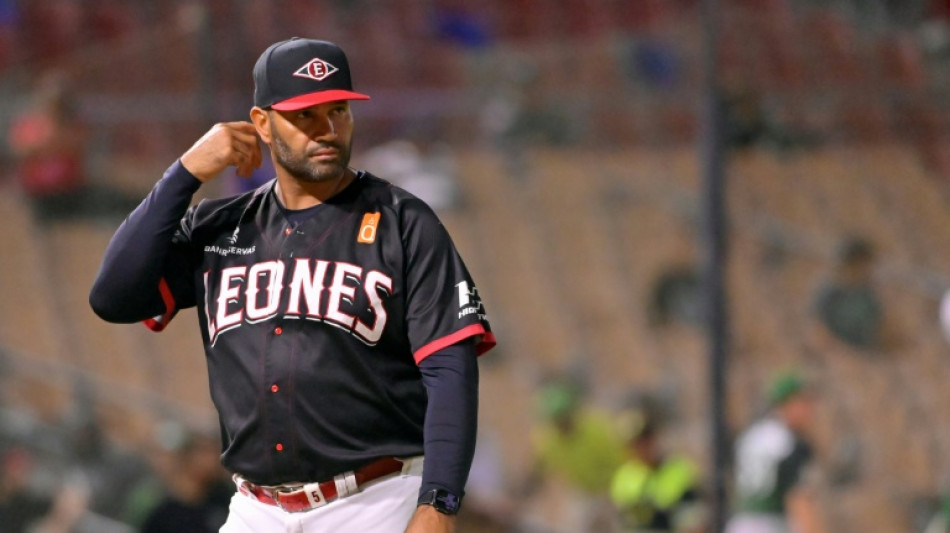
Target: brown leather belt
[{"x": 312, "y": 495}]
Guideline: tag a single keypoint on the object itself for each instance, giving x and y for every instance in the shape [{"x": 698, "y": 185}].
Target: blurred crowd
[
  {"x": 611, "y": 467},
  {"x": 71, "y": 477},
  {"x": 594, "y": 469}
]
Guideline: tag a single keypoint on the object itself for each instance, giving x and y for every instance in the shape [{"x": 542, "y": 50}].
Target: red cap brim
[{"x": 320, "y": 97}]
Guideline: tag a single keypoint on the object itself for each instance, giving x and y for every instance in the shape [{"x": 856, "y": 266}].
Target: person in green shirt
[
  {"x": 654, "y": 491},
  {"x": 578, "y": 447}
]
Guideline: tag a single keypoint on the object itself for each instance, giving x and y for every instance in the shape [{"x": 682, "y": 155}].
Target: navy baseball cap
[{"x": 299, "y": 73}]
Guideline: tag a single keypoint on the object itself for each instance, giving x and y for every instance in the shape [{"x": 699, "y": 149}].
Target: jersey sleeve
[
  {"x": 144, "y": 275},
  {"x": 176, "y": 286},
  {"x": 443, "y": 306}
]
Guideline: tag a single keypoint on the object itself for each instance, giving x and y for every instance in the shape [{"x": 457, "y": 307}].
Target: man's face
[
  {"x": 798, "y": 411},
  {"x": 313, "y": 144}
]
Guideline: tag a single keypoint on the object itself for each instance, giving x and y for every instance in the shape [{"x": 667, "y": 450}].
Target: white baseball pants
[{"x": 382, "y": 507}]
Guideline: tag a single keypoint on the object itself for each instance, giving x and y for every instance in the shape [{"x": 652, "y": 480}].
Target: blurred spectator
[
  {"x": 754, "y": 113},
  {"x": 59, "y": 22},
  {"x": 905, "y": 13},
  {"x": 518, "y": 115},
  {"x": 9, "y": 27},
  {"x": 419, "y": 163},
  {"x": 70, "y": 513},
  {"x": 47, "y": 141},
  {"x": 105, "y": 470},
  {"x": 29, "y": 505},
  {"x": 776, "y": 474},
  {"x": 199, "y": 490},
  {"x": 748, "y": 123},
  {"x": 578, "y": 448},
  {"x": 21, "y": 505},
  {"x": 940, "y": 523},
  {"x": 847, "y": 306},
  {"x": 944, "y": 315},
  {"x": 653, "y": 63},
  {"x": 536, "y": 122},
  {"x": 655, "y": 491},
  {"x": 466, "y": 27},
  {"x": 109, "y": 20},
  {"x": 676, "y": 296}
]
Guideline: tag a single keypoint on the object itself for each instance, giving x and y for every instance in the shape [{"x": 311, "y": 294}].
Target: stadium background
[{"x": 574, "y": 127}]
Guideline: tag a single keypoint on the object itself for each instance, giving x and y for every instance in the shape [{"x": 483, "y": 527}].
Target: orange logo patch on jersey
[{"x": 367, "y": 234}]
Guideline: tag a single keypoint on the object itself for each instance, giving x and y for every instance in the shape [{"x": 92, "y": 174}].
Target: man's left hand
[{"x": 427, "y": 520}]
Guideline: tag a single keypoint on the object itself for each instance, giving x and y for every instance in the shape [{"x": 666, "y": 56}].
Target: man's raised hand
[{"x": 225, "y": 144}]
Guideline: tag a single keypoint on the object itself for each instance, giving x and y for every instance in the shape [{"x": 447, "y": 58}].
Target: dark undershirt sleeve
[
  {"x": 126, "y": 289},
  {"x": 450, "y": 376}
]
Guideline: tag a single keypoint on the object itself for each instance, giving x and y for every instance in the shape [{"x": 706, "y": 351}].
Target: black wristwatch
[{"x": 444, "y": 501}]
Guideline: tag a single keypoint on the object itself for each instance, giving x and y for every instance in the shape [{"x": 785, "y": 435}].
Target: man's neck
[{"x": 295, "y": 194}]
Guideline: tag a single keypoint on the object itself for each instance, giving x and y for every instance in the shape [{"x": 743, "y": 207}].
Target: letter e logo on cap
[{"x": 316, "y": 69}]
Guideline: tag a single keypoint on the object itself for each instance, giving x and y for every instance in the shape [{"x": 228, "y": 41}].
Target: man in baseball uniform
[
  {"x": 340, "y": 325},
  {"x": 776, "y": 473}
]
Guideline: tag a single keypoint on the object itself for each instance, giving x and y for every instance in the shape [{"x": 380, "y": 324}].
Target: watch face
[
  {"x": 448, "y": 501},
  {"x": 444, "y": 501}
]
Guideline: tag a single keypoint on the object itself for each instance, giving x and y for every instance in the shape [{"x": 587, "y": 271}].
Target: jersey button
[
  {"x": 274, "y": 388},
  {"x": 279, "y": 447},
  {"x": 278, "y": 330}
]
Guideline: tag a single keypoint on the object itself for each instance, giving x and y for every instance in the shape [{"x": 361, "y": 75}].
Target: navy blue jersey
[{"x": 313, "y": 331}]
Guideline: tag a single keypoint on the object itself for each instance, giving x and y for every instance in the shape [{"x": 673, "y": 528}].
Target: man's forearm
[
  {"x": 803, "y": 512},
  {"x": 451, "y": 380}
]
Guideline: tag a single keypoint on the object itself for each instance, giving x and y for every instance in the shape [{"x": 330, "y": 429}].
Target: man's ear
[{"x": 261, "y": 119}]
